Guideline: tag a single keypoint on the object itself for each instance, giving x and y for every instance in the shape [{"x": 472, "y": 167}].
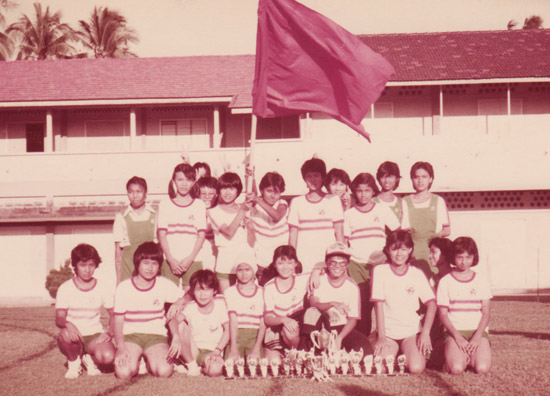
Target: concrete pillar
[
  {"x": 216, "y": 135},
  {"x": 48, "y": 144},
  {"x": 133, "y": 130}
]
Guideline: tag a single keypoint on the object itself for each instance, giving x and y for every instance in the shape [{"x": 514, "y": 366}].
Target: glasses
[{"x": 338, "y": 263}]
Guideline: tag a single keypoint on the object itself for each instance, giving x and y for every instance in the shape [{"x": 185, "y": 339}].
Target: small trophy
[
  {"x": 287, "y": 365},
  {"x": 332, "y": 364},
  {"x": 275, "y": 367},
  {"x": 390, "y": 363},
  {"x": 344, "y": 363},
  {"x": 263, "y": 367},
  {"x": 378, "y": 364},
  {"x": 367, "y": 361},
  {"x": 299, "y": 364},
  {"x": 355, "y": 358},
  {"x": 252, "y": 365},
  {"x": 240, "y": 367},
  {"x": 401, "y": 360},
  {"x": 229, "y": 368}
]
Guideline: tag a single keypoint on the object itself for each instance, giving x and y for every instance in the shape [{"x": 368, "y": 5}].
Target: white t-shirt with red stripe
[
  {"x": 366, "y": 230},
  {"x": 463, "y": 299},
  {"x": 248, "y": 309},
  {"x": 315, "y": 223},
  {"x": 285, "y": 303},
  {"x": 269, "y": 235},
  {"x": 84, "y": 306},
  {"x": 143, "y": 309},
  {"x": 400, "y": 295},
  {"x": 206, "y": 328},
  {"x": 346, "y": 293},
  {"x": 182, "y": 224}
]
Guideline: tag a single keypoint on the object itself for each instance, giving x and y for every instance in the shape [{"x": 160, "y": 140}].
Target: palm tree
[
  {"x": 6, "y": 43},
  {"x": 45, "y": 37},
  {"x": 106, "y": 34}
]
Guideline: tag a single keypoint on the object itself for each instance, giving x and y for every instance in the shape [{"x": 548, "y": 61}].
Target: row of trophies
[{"x": 317, "y": 367}]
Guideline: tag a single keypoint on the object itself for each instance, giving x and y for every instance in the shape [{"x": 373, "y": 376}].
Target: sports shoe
[
  {"x": 89, "y": 363},
  {"x": 180, "y": 368},
  {"x": 74, "y": 369},
  {"x": 142, "y": 367},
  {"x": 193, "y": 370}
]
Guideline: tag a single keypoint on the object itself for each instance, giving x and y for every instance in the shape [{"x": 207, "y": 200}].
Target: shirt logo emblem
[
  {"x": 156, "y": 302},
  {"x": 410, "y": 290},
  {"x": 322, "y": 212},
  {"x": 191, "y": 217},
  {"x": 473, "y": 292}
]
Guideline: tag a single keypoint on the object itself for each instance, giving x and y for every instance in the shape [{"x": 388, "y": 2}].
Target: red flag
[{"x": 306, "y": 62}]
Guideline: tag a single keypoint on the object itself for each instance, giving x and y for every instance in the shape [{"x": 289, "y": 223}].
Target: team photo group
[{"x": 218, "y": 278}]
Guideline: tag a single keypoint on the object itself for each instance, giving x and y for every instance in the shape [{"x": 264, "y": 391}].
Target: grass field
[{"x": 30, "y": 364}]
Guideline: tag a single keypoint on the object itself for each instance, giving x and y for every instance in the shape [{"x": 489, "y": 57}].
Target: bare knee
[
  {"x": 455, "y": 368},
  {"x": 124, "y": 372},
  {"x": 416, "y": 366},
  {"x": 482, "y": 368},
  {"x": 163, "y": 370},
  {"x": 105, "y": 355}
]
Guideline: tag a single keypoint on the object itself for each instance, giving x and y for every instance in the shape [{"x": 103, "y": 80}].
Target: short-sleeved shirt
[
  {"x": 463, "y": 299},
  {"x": 346, "y": 293},
  {"x": 84, "y": 306},
  {"x": 206, "y": 329},
  {"x": 248, "y": 309},
  {"x": 269, "y": 235},
  {"x": 208, "y": 252},
  {"x": 182, "y": 224},
  {"x": 285, "y": 303},
  {"x": 143, "y": 309},
  {"x": 400, "y": 210},
  {"x": 366, "y": 230},
  {"x": 315, "y": 223},
  {"x": 400, "y": 295},
  {"x": 120, "y": 231},
  {"x": 217, "y": 217}
]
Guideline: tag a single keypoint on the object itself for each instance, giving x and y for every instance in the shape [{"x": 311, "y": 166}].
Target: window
[
  {"x": 189, "y": 133},
  {"x": 278, "y": 128},
  {"x": 34, "y": 135}
]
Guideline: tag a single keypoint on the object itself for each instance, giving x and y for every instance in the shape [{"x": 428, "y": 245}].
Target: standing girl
[
  {"x": 428, "y": 215},
  {"x": 338, "y": 183},
  {"x": 230, "y": 230},
  {"x": 181, "y": 227},
  {"x": 388, "y": 177},
  {"x": 463, "y": 298},
  {"x": 397, "y": 288}
]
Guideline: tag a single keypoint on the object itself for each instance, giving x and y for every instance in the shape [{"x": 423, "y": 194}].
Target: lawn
[{"x": 30, "y": 364}]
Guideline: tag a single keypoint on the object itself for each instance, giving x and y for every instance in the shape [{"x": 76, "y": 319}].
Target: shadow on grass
[
  {"x": 526, "y": 334},
  {"x": 120, "y": 387},
  {"x": 356, "y": 390},
  {"x": 51, "y": 346},
  {"x": 440, "y": 383}
]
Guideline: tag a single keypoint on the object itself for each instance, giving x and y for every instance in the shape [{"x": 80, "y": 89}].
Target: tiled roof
[
  {"x": 417, "y": 57},
  {"x": 465, "y": 55},
  {"x": 130, "y": 78}
]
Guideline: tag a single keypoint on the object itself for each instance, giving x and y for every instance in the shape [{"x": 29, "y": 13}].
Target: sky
[{"x": 225, "y": 27}]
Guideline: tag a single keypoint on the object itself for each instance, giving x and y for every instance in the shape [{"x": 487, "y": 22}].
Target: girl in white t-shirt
[
  {"x": 338, "y": 182},
  {"x": 77, "y": 314},
  {"x": 397, "y": 288},
  {"x": 463, "y": 298}
]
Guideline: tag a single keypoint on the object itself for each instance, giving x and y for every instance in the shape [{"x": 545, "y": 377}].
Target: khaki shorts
[
  {"x": 467, "y": 334},
  {"x": 246, "y": 339},
  {"x": 145, "y": 341},
  {"x": 166, "y": 271}
]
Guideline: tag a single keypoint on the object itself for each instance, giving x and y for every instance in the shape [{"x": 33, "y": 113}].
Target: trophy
[
  {"x": 344, "y": 362},
  {"x": 324, "y": 340},
  {"x": 390, "y": 363},
  {"x": 401, "y": 360},
  {"x": 287, "y": 364},
  {"x": 299, "y": 363},
  {"x": 275, "y": 366},
  {"x": 378, "y": 364},
  {"x": 229, "y": 371},
  {"x": 355, "y": 359},
  {"x": 367, "y": 361},
  {"x": 252, "y": 365},
  {"x": 332, "y": 363},
  {"x": 263, "y": 367},
  {"x": 240, "y": 367}
]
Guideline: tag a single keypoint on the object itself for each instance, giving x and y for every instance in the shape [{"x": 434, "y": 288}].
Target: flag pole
[{"x": 250, "y": 180}]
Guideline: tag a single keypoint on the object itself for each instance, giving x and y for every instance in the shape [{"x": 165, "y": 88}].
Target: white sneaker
[
  {"x": 74, "y": 369},
  {"x": 89, "y": 363},
  {"x": 193, "y": 370},
  {"x": 142, "y": 367},
  {"x": 180, "y": 368}
]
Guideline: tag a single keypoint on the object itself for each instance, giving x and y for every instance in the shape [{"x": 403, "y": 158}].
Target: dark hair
[
  {"x": 445, "y": 247},
  {"x": 465, "y": 245},
  {"x": 336, "y": 174},
  {"x": 203, "y": 165},
  {"x": 272, "y": 179},
  {"x": 187, "y": 171},
  {"x": 389, "y": 168},
  {"x": 400, "y": 237},
  {"x": 423, "y": 165},
  {"x": 148, "y": 251},
  {"x": 286, "y": 251},
  {"x": 84, "y": 252},
  {"x": 230, "y": 180},
  {"x": 316, "y": 165},
  {"x": 205, "y": 181},
  {"x": 206, "y": 279},
  {"x": 140, "y": 181},
  {"x": 364, "y": 178}
]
